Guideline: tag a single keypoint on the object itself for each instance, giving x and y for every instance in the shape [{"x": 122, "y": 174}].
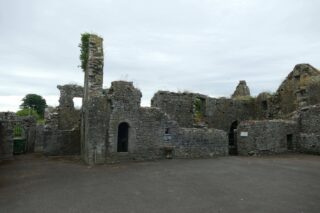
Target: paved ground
[{"x": 287, "y": 183}]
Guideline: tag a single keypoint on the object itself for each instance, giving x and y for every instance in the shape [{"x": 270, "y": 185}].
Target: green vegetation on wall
[
  {"x": 84, "y": 50},
  {"x": 198, "y": 108},
  {"x": 28, "y": 112}
]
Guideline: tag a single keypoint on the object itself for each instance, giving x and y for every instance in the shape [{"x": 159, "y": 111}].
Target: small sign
[{"x": 244, "y": 134}]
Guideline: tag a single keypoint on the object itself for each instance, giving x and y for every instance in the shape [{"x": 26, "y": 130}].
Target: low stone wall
[
  {"x": 309, "y": 119},
  {"x": 309, "y": 143},
  {"x": 266, "y": 137},
  {"x": 200, "y": 143},
  {"x": 30, "y": 127},
  {"x": 309, "y": 128},
  {"x": 38, "y": 145},
  {"x": 6, "y": 140},
  {"x": 61, "y": 142}
]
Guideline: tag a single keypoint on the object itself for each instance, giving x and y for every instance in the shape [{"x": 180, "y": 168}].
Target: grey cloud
[{"x": 202, "y": 46}]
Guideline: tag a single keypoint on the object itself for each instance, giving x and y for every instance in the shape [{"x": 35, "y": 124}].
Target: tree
[{"x": 35, "y": 102}]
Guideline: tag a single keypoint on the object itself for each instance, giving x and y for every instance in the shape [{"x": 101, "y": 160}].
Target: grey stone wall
[
  {"x": 38, "y": 146},
  {"x": 218, "y": 113},
  {"x": 93, "y": 122},
  {"x": 309, "y": 128},
  {"x": 153, "y": 134},
  {"x": 6, "y": 140},
  {"x": 179, "y": 106},
  {"x": 8, "y": 120},
  {"x": 242, "y": 90},
  {"x": 68, "y": 116},
  {"x": 266, "y": 137},
  {"x": 309, "y": 119},
  {"x": 51, "y": 117},
  {"x": 222, "y": 112},
  {"x": 123, "y": 107},
  {"x": 298, "y": 89},
  {"x": 61, "y": 142},
  {"x": 293, "y": 92},
  {"x": 29, "y": 125},
  {"x": 313, "y": 91},
  {"x": 309, "y": 143},
  {"x": 200, "y": 142}
]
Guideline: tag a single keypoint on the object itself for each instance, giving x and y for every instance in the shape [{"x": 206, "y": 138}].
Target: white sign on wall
[{"x": 244, "y": 134}]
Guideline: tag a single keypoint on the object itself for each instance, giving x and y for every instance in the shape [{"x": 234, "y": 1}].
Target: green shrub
[
  {"x": 84, "y": 50},
  {"x": 28, "y": 112}
]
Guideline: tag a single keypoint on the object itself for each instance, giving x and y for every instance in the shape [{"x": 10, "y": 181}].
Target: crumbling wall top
[{"x": 241, "y": 90}]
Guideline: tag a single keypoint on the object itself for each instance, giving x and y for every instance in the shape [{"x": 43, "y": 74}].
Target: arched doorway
[
  {"x": 123, "y": 137},
  {"x": 233, "y": 146}
]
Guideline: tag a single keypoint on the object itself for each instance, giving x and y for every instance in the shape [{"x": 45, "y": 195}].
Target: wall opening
[
  {"x": 290, "y": 142},
  {"x": 233, "y": 146},
  {"x": 77, "y": 102},
  {"x": 19, "y": 139},
  {"x": 199, "y": 109},
  {"x": 123, "y": 137}
]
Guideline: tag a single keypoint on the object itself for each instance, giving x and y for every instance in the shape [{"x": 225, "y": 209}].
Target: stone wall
[
  {"x": 301, "y": 87},
  {"x": 8, "y": 121},
  {"x": 309, "y": 128},
  {"x": 61, "y": 142},
  {"x": 153, "y": 134},
  {"x": 242, "y": 90},
  {"x": 6, "y": 140},
  {"x": 313, "y": 91},
  {"x": 38, "y": 145},
  {"x": 218, "y": 113},
  {"x": 222, "y": 112},
  {"x": 68, "y": 116},
  {"x": 179, "y": 106},
  {"x": 200, "y": 142},
  {"x": 156, "y": 134},
  {"x": 294, "y": 92},
  {"x": 28, "y": 123},
  {"x": 309, "y": 143},
  {"x": 94, "y": 108},
  {"x": 123, "y": 107},
  {"x": 309, "y": 120},
  {"x": 266, "y": 137}
]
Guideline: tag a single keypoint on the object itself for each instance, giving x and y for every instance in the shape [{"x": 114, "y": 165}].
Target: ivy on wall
[{"x": 84, "y": 50}]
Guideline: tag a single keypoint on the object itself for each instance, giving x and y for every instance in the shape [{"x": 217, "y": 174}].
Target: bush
[
  {"x": 84, "y": 50},
  {"x": 28, "y": 112}
]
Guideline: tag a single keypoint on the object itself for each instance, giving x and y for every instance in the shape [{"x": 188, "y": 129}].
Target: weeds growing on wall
[
  {"x": 84, "y": 50},
  {"x": 198, "y": 111}
]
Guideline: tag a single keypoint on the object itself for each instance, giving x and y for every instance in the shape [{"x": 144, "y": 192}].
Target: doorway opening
[
  {"x": 123, "y": 137},
  {"x": 289, "y": 142},
  {"x": 233, "y": 146}
]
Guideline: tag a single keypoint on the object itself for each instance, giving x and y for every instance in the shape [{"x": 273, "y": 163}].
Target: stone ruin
[
  {"x": 242, "y": 90},
  {"x": 8, "y": 122},
  {"x": 111, "y": 126}
]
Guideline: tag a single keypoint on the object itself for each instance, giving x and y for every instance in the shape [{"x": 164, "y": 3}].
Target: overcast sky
[{"x": 203, "y": 46}]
